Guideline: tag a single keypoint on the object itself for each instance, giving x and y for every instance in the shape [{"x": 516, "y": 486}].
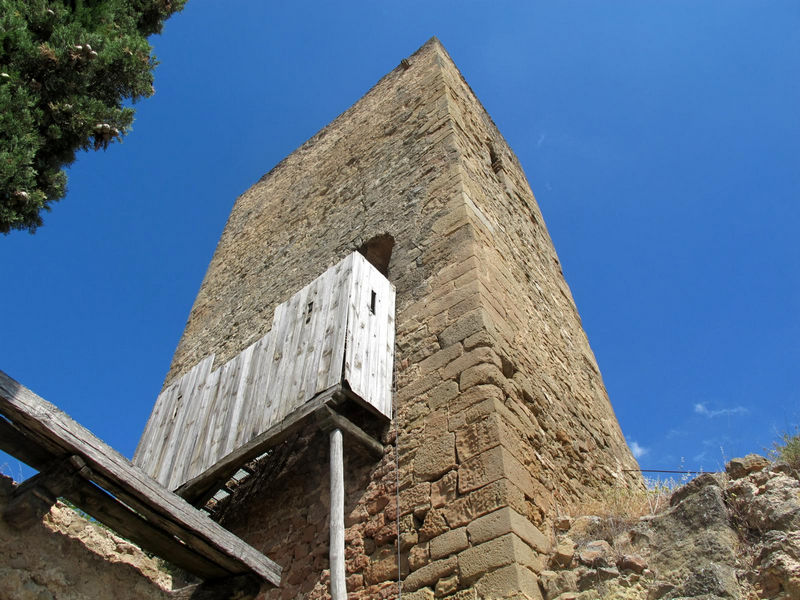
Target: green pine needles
[{"x": 66, "y": 67}]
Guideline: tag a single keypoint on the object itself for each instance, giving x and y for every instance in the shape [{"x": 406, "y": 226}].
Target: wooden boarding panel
[
  {"x": 339, "y": 329},
  {"x": 369, "y": 359}
]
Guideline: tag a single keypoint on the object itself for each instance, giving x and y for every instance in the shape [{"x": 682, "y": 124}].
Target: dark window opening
[
  {"x": 309, "y": 308},
  {"x": 372, "y": 303},
  {"x": 496, "y": 161},
  {"x": 378, "y": 251}
]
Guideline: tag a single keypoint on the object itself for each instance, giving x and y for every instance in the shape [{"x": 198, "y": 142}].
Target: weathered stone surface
[
  {"x": 444, "y": 491},
  {"x": 775, "y": 504},
  {"x": 446, "y": 586},
  {"x": 433, "y": 525},
  {"x": 421, "y": 594},
  {"x": 555, "y": 583},
  {"x": 512, "y": 581},
  {"x": 741, "y": 467},
  {"x": 450, "y": 542},
  {"x": 720, "y": 537},
  {"x": 777, "y": 567},
  {"x": 597, "y": 553},
  {"x": 436, "y": 456},
  {"x": 632, "y": 562},
  {"x": 503, "y": 521},
  {"x": 429, "y": 574},
  {"x": 496, "y": 553},
  {"x": 67, "y": 557},
  {"x": 563, "y": 553}
]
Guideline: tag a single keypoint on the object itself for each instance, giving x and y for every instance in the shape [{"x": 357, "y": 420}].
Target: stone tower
[{"x": 501, "y": 416}]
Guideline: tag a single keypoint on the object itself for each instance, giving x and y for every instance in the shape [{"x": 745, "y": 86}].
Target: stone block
[
  {"x": 481, "y": 469},
  {"x": 512, "y": 581},
  {"x": 421, "y": 594},
  {"x": 463, "y": 362},
  {"x": 450, "y": 542},
  {"x": 483, "y": 373},
  {"x": 440, "y": 359},
  {"x": 417, "y": 387},
  {"x": 447, "y": 585},
  {"x": 382, "y": 570},
  {"x": 507, "y": 549},
  {"x": 415, "y": 499},
  {"x": 503, "y": 521},
  {"x": 459, "y": 406},
  {"x": 444, "y": 491},
  {"x": 419, "y": 557},
  {"x": 484, "y": 500},
  {"x": 442, "y": 394},
  {"x": 435, "y": 457},
  {"x": 433, "y": 525},
  {"x": 467, "y": 325},
  {"x": 495, "y": 464},
  {"x": 428, "y": 575},
  {"x": 475, "y": 438}
]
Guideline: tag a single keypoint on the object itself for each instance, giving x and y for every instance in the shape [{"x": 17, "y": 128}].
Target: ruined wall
[
  {"x": 501, "y": 415},
  {"x": 68, "y": 558}
]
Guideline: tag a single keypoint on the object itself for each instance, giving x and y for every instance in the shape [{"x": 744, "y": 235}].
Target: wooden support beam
[
  {"x": 35, "y": 497},
  {"x": 129, "y": 524},
  {"x": 329, "y": 419},
  {"x": 14, "y": 441},
  {"x": 201, "y": 488},
  {"x": 336, "y": 550},
  {"x": 49, "y": 427}
]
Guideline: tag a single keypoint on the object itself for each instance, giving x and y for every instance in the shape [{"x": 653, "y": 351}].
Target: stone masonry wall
[
  {"x": 502, "y": 419},
  {"x": 68, "y": 558}
]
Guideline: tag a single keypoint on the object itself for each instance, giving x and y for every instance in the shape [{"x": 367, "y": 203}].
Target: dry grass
[
  {"x": 788, "y": 449},
  {"x": 619, "y": 509}
]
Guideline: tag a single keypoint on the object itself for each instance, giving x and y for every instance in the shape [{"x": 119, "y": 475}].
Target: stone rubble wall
[
  {"x": 732, "y": 535},
  {"x": 501, "y": 414},
  {"x": 67, "y": 557}
]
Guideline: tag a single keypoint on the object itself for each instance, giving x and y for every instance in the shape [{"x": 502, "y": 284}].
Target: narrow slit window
[
  {"x": 372, "y": 303},
  {"x": 309, "y": 308}
]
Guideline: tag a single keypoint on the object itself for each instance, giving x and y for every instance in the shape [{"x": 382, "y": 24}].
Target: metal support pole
[{"x": 338, "y": 587}]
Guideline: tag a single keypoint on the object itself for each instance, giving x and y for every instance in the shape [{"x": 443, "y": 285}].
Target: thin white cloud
[
  {"x": 701, "y": 409},
  {"x": 676, "y": 433},
  {"x": 541, "y": 140},
  {"x": 638, "y": 451}
]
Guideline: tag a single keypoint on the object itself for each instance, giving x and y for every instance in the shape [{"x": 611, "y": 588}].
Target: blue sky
[{"x": 662, "y": 142}]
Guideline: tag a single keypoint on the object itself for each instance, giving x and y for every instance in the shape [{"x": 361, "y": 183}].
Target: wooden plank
[
  {"x": 128, "y": 483},
  {"x": 369, "y": 359},
  {"x": 185, "y": 434},
  {"x": 171, "y": 433},
  {"x": 208, "y": 396},
  {"x": 384, "y": 381},
  {"x": 259, "y": 400},
  {"x": 14, "y": 442},
  {"x": 203, "y": 453},
  {"x": 108, "y": 510},
  {"x": 236, "y": 399},
  {"x": 151, "y": 444},
  {"x": 256, "y": 398},
  {"x": 330, "y": 368},
  {"x": 197, "y": 489}
]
